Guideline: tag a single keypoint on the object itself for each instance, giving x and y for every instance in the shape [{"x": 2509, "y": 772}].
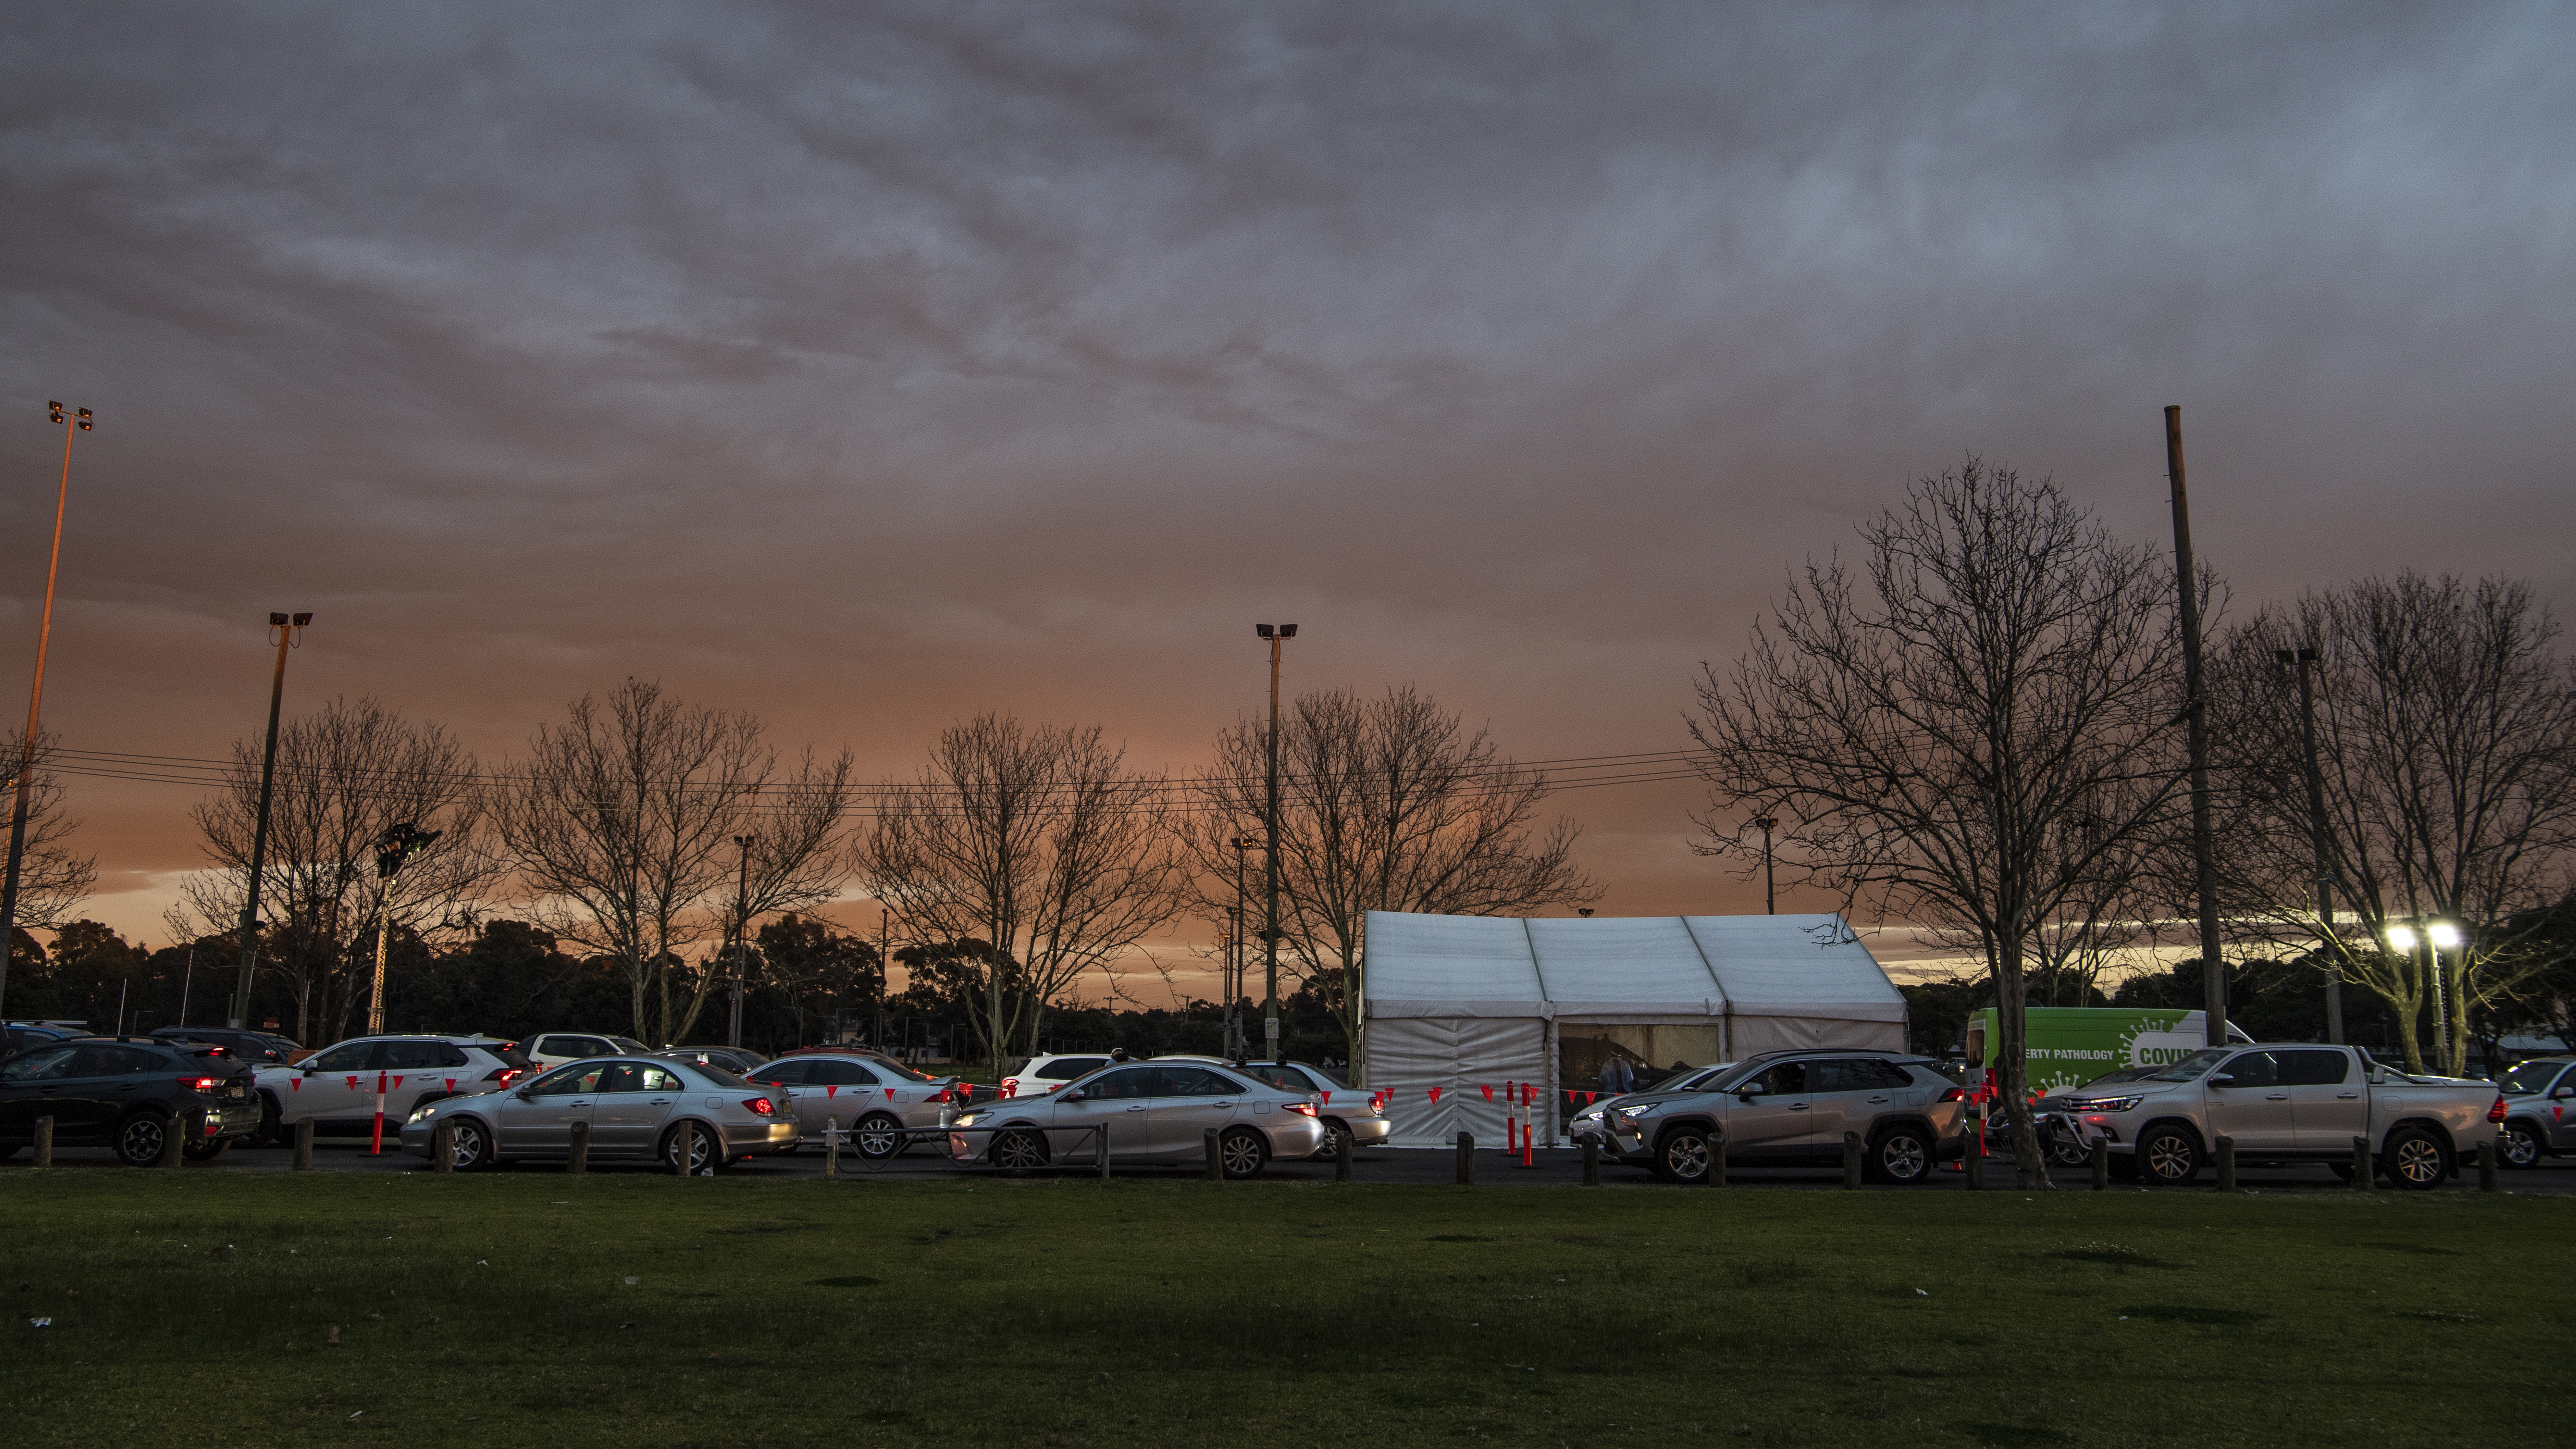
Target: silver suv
[
  {"x": 2539, "y": 1110},
  {"x": 1791, "y": 1109},
  {"x": 343, "y": 1087}
]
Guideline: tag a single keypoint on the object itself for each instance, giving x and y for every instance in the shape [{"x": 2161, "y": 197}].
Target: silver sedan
[
  {"x": 1154, "y": 1112},
  {"x": 871, "y": 1098},
  {"x": 634, "y": 1108}
]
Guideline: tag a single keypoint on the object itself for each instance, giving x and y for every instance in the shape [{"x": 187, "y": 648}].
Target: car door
[
  {"x": 39, "y": 1083},
  {"x": 837, "y": 1089},
  {"x": 123, "y": 1079},
  {"x": 1188, "y": 1101},
  {"x": 2329, "y": 1103},
  {"x": 2252, "y": 1105},
  {"x": 415, "y": 1069},
  {"x": 336, "y": 1089},
  {"x": 1122, "y": 1101},
  {"x": 536, "y": 1120},
  {"x": 1773, "y": 1121},
  {"x": 1852, "y": 1093},
  {"x": 635, "y": 1098},
  {"x": 2559, "y": 1111}
]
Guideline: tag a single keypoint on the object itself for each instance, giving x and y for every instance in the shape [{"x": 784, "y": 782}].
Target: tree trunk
[{"x": 2013, "y": 1065}]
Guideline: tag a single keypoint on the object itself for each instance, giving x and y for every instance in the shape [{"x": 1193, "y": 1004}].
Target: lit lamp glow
[
  {"x": 2443, "y": 935},
  {"x": 2402, "y": 937}
]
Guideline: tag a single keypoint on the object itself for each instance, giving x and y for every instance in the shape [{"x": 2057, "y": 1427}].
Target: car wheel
[
  {"x": 2415, "y": 1160},
  {"x": 2168, "y": 1157},
  {"x": 471, "y": 1142},
  {"x": 1242, "y": 1153},
  {"x": 1019, "y": 1151},
  {"x": 206, "y": 1151},
  {"x": 704, "y": 1156},
  {"x": 1682, "y": 1156},
  {"x": 272, "y": 1131},
  {"x": 2521, "y": 1145},
  {"x": 138, "y": 1139},
  {"x": 1901, "y": 1156},
  {"x": 1336, "y": 1140},
  {"x": 877, "y": 1137}
]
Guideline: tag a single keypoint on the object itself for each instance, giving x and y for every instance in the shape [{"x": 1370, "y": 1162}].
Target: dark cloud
[{"x": 873, "y": 366}]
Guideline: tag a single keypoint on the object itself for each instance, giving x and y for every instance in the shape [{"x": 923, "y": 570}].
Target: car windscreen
[
  {"x": 628, "y": 1044},
  {"x": 2530, "y": 1077},
  {"x": 2192, "y": 1068}
]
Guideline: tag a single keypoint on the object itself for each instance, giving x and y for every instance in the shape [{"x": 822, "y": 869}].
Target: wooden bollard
[
  {"x": 304, "y": 1145},
  {"x": 2361, "y": 1167},
  {"x": 442, "y": 1146},
  {"x": 1104, "y": 1151},
  {"x": 1466, "y": 1159},
  {"x": 1591, "y": 1162},
  {"x": 2101, "y": 1164},
  {"x": 2487, "y": 1166},
  {"x": 1343, "y": 1150},
  {"x": 1717, "y": 1155},
  {"x": 1215, "y": 1164},
  {"x": 684, "y": 1145},
  {"x": 1972, "y": 1161},
  {"x": 579, "y": 1160},
  {"x": 1851, "y": 1162},
  {"x": 45, "y": 1141},
  {"x": 831, "y": 1146},
  {"x": 2226, "y": 1163},
  {"x": 174, "y": 1139}
]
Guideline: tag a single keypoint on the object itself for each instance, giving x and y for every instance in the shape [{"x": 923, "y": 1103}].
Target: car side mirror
[
  {"x": 2222, "y": 1079},
  {"x": 1751, "y": 1090},
  {"x": 2563, "y": 1092}
]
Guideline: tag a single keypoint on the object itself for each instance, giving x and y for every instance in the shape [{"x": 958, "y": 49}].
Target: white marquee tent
[{"x": 1466, "y": 1003}]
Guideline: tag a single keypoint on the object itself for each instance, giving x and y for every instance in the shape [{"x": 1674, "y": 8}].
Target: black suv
[
  {"x": 128, "y": 1092},
  {"x": 1789, "y": 1109},
  {"x": 259, "y": 1048}
]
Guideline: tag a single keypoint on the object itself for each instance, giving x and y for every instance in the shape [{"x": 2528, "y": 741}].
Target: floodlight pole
[
  {"x": 2204, "y": 858},
  {"x": 1770, "y": 889},
  {"x": 1270, "y": 856},
  {"x": 2305, "y": 660},
  {"x": 35, "y": 698},
  {"x": 286, "y": 627}
]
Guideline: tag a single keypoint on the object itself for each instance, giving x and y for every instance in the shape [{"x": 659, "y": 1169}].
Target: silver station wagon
[{"x": 1156, "y": 1112}]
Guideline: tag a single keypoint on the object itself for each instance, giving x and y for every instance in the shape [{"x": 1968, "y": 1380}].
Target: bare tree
[
  {"x": 52, "y": 881},
  {"x": 1971, "y": 735},
  {"x": 1385, "y": 804},
  {"x": 2446, "y": 736},
  {"x": 345, "y": 775},
  {"x": 1038, "y": 844},
  {"x": 620, "y": 825}
]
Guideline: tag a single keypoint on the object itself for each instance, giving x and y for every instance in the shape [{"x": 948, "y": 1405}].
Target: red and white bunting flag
[
  {"x": 1435, "y": 1094},
  {"x": 353, "y": 1084},
  {"x": 889, "y": 1094},
  {"x": 1489, "y": 1093},
  {"x": 831, "y": 1089},
  {"x": 451, "y": 1084},
  {"x": 1328, "y": 1099},
  {"x": 1590, "y": 1097},
  {"x": 397, "y": 1081},
  {"x": 295, "y": 1084}
]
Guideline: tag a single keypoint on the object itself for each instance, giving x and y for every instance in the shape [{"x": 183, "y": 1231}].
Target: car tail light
[
  {"x": 1955, "y": 1094},
  {"x": 208, "y": 1084},
  {"x": 2496, "y": 1112},
  {"x": 504, "y": 1075},
  {"x": 943, "y": 1096},
  {"x": 1302, "y": 1109},
  {"x": 759, "y": 1105}
]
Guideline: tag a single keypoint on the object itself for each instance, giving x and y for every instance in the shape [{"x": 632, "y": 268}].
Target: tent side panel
[
  {"x": 1408, "y": 1056},
  {"x": 1752, "y": 1034}
]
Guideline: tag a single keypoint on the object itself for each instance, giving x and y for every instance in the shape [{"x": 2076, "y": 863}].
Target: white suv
[
  {"x": 1042, "y": 1075},
  {"x": 339, "y": 1087},
  {"x": 554, "y": 1048}
]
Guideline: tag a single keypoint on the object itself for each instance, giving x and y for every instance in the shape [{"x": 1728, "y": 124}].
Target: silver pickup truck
[{"x": 2297, "y": 1102}]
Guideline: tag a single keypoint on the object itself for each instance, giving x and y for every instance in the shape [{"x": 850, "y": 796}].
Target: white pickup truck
[{"x": 2295, "y": 1102}]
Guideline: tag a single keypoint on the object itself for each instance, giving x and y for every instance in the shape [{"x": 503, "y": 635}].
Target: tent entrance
[{"x": 1650, "y": 1049}]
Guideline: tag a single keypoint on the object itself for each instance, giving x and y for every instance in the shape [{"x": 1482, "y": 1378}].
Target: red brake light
[
  {"x": 1955, "y": 1094},
  {"x": 505, "y": 1075},
  {"x": 942, "y": 1097},
  {"x": 208, "y": 1084},
  {"x": 1302, "y": 1109},
  {"x": 2496, "y": 1112},
  {"x": 760, "y": 1105}
]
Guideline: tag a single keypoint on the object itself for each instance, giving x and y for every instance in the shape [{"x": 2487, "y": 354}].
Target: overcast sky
[{"x": 868, "y": 366}]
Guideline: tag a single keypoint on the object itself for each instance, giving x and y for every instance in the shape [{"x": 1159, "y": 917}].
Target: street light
[
  {"x": 741, "y": 929},
  {"x": 1276, "y": 634},
  {"x": 395, "y": 846},
  {"x": 287, "y": 628},
  {"x": 2436, "y": 938},
  {"x": 1770, "y": 891},
  {"x": 35, "y": 698}
]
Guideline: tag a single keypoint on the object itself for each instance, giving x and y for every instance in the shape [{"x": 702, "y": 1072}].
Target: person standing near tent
[{"x": 1616, "y": 1078}]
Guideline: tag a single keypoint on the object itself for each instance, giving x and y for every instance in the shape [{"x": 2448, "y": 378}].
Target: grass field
[{"x": 558, "y": 1311}]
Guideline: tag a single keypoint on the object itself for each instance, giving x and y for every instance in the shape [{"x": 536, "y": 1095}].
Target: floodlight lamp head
[
  {"x": 2285, "y": 656},
  {"x": 1263, "y": 630},
  {"x": 84, "y": 420},
  {"x": 1584, "y": 911},
  {"x": 2402, "y": 937},
  {"x": 1287, "y": 631},
  {"x": 55, "y": 409},
  {"x": 2443, "y": 935},
  {"x": 303, "y": 619},
  {"x": 277, "y": 621}
]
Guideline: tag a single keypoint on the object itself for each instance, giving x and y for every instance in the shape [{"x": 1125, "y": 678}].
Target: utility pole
[
  {"x": 393, "y": 847},
  {"x": 1270, "y": 856},
  {"x": 286, "y": 627},
  {"x": 35, "y": 699},
  {"x": 741, "y": 930},
  {"x": 1770, "y": 888},
  {"x": 2305, "y": 660},
  {"x": 2204, "y": 860},
  {"x": 1235, "y": 1045}
]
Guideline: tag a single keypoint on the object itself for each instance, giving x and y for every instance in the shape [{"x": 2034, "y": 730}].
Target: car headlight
[
  {"x": 1645, "y": 1110},
  {"x": 420, "y": 1114},
  {"x": 966, "y": 1119},
  {"x": 2105, "y": 1104}
]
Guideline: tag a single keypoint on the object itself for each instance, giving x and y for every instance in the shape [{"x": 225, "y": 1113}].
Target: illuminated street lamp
[
  {"x": 2436, "y": 938},
  {"x": 35, "y": 697}
]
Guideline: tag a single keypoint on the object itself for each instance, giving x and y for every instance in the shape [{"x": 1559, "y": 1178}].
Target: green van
[{"x": 2071, "y": 1045}]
